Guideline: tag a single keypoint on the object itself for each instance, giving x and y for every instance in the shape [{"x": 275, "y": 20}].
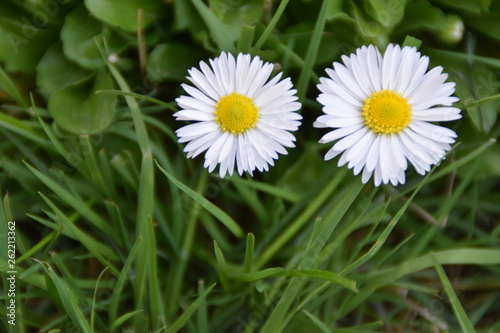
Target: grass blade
[
  {"x": 270, "y": 27},
  {"x": 457, "y": 256},
  {"x": 247, "y": 265},
  {"x": 101, "y": 252},
  {"x": 145, "y": 206},
  {"x": 464, "y": 321},
  {"x": 302, "y": 219},
  {"x": 219, "y": 32},
  {"x": 276, "y": 319},
  {"x": 310, "y": 273},
  {"x": 268, "y": 188},
  {"x": 202, "y": 313},
  {"x": 138, "y": 96},
  {"x": 181, "y": 321},
  {"x": 9, "y": 86},
  {"x": 312, "y": 51},
  {"x": 124, "y": 318},
  {"x": 120, "y": 283},
  {"x": 317, "y": 322},
  {"x": 68, "y": 299},
  {"x": 210, "y": 207},
  {"x": 80, "y": 206}
]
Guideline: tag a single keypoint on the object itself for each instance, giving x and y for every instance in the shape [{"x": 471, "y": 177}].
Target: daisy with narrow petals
[
  {"x": 239, "y": 118},
  {"x": 382, "y": 108}
]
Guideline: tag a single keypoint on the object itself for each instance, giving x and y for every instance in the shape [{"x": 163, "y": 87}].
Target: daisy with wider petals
[
  {"x": 240, "y": 119},
  {"x": 382, "y": 108}
]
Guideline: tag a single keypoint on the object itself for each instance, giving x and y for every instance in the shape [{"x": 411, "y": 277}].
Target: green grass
[{"x": 116, "y": 231}]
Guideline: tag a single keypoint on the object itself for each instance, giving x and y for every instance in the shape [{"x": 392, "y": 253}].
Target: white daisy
[
  {"x": 381, "y": 109},
  {"x": 240, "y": 119}
]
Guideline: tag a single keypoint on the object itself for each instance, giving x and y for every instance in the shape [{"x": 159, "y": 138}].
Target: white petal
[
  {"x": 386, "y": 159},
  {"x": 343, "y": 122},
  {"x": 226, "y": 148},
  {"x": 242, "y": 67},
  {"x": 434, "y": 132},
  {"x": 199, "y": 145},
  {"x": 373, "y": 155},
  {"x": 350, "y": 140},
  {"x": 339, "y": 133},
  {"x": 212, "y": 79},
  {"x": 332, "y": 153},
  {"x": 438, "y": 114},
  {"x": 346, "y": 78},
  {"x": 196, "y": 93},
  {"x": 214, "y": 151},
  {"x": 203, "y": 83},
  {"x": 197, "y": 129},
  {"x": 417, "y": 77},
  {"x": 374, "y": 62},
  {"x": 194, "y": 115},
  {"x": 358, "y": 153}
]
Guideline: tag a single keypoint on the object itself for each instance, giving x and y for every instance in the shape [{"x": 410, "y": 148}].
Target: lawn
[{"x": 267, "y": 166}]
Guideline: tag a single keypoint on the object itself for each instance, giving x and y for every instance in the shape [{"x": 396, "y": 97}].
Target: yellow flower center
[
  {"x": 386, "y": 112},
  {"x": 236, "y": 113}
]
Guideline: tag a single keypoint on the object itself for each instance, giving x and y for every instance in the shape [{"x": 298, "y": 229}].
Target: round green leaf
[
  {"x": 171, "y": 61},
  {"x": 123, "y": 14},
  {"x": 55, "y": 71},
  {"x": 79, "y": 34},
  {"x": 78, "y": 109},
  {"x": 23, "y": 39},
  {"x": 233, "y": 14}
]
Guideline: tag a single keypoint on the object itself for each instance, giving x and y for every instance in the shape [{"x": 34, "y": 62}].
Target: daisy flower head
[
  {"x": 381, "y": 109},
  {"x": 242, "y": 120}
]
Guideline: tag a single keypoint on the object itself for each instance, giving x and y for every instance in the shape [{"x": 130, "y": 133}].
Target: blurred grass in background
[{"x": 118, "y": 232}]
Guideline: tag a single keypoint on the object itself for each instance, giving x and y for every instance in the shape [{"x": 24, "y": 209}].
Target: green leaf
[
  {"x": 334, "y": 9},
  {"x": 234, "y": 14},
  {"x": 387, "y": 13},
  {"x": 219, "y": 32},
  {"x": 481, "y": 82},
  {"x": 421, "y": 15},
  {"x": 472, "y": 7},
  {"x": 412, "y": 42},
  {"x": 22, "y": 43},
  {"x": 55, "y": 71},
  {"x": 456, "y": 56},
  {"x": 79, "y": 34},
  {"x": 246, "y": 38},
  {"x": 78, "y": 109},
  {"x": 488, "y": 24},
  {"x": 172, "y": 60},
  {"x": 123, "y": 14}
]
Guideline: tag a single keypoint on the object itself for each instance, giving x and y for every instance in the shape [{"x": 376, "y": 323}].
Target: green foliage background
[{"x": 116, "y": 231}]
